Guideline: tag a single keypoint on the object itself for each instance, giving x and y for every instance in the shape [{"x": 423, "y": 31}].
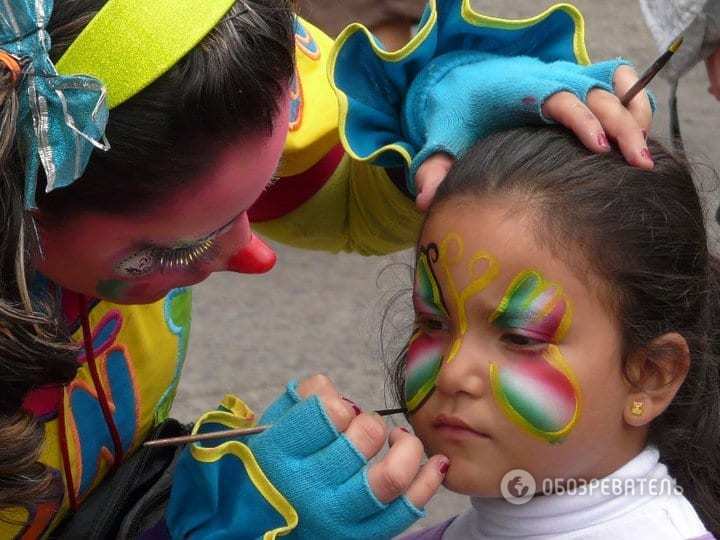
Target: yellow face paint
[{"x": 483, "y": 269}]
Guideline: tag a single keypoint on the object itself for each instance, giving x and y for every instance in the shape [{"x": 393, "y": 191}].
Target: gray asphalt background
[{"x": 318, "y": 312}]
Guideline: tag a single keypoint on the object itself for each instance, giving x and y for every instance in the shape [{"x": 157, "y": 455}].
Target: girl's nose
[{"x": 464, "y": 373}]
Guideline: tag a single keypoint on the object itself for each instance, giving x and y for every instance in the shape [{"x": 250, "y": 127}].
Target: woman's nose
[
  {"x": 464, "y": 373},
  {"x": 252, "y": 255},
  {"x": 256, "y": 257}
]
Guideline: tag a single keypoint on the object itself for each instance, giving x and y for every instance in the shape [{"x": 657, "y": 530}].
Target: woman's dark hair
[
  {"x": 642, "y": 232},
  {"x": 227, "y": 87}
]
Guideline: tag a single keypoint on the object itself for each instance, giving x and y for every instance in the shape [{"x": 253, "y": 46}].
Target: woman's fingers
[
  {"x": 399, "y": 471},
  {"x": 427, "y": 481},
  {"x": 604, "y": 117},
  {"x": 340, "y": 411},
  {"x": 566, "y": 109},
  {"x": 639, "y": 106},
  {"x": 367, "y": 433},
  {"x": 429, "y": 176},
  {"x": 621, "y": 125}
]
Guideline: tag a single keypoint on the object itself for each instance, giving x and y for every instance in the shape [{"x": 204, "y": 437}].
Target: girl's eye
[
  {"x": 433, "y": 325},
  {"x": 522, "y": 341}
]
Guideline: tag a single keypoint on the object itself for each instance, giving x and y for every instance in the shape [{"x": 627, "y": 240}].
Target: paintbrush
[
  {"x": 650, "y": 73},
  {"x": 236, "y": 432}
]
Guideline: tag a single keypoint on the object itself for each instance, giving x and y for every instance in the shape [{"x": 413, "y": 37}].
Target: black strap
[{"x": 133, "y": 498}]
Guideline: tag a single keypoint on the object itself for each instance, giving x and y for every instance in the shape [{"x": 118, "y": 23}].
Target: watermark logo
[{"x": 517, "y": 486}]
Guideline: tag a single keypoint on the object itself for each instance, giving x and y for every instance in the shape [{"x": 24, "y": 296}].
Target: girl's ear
[{"x": 656, "y": 373}]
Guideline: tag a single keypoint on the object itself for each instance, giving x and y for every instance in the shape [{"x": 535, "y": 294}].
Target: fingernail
[
  {"x": 443, "y": 467},
  {"x": 645, "y": 153},
  {"x": 404, "y": 429},
  {"x": 357, "y": 409},
  {"x": 602, "y": 141}
]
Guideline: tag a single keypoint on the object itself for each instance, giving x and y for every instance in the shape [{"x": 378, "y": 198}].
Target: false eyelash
[{"x": 183, "y": 257}]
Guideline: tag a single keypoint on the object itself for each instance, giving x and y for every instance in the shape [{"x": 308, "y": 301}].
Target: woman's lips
[{"x": 452, "y": 425}]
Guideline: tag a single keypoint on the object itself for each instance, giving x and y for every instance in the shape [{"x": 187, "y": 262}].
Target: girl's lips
[{"x": 456, "y": 426}]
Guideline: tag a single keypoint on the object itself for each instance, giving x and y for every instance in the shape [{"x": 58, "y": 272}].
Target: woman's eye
[{"x": 520, "y": 340}]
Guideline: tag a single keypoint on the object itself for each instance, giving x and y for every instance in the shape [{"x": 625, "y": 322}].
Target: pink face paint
[{"x": 537, "y": 391}]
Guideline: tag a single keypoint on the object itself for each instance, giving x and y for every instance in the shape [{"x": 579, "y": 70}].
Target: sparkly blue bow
[{"x": 61, "y": 119}]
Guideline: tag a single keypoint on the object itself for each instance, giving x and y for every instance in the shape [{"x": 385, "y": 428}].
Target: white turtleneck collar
[{"x": 588, "y": 516}]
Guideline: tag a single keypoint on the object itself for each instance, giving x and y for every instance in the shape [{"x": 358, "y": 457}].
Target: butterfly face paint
[
  {"x": 426, "y": 348},
  {"x": 537, "y": 391}
]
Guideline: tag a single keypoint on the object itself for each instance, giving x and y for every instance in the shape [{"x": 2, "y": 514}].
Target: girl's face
[
  {"x": 139, "y": 259},
  {"x": 515, "y": 362}
]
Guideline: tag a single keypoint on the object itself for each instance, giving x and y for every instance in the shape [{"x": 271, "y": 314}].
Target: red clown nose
[{"x": 255, "y": 258}]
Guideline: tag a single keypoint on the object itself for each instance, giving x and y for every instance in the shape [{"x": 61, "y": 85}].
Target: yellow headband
[{"x": 130, "y": 43}]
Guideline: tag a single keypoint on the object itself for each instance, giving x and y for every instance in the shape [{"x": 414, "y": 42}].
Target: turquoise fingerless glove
[
  {"x": 462, "y": 77},
  {"x": 464, "y": 96},
  {"x": 323, "y": 475},
  {"x": 300, "y": 479}
]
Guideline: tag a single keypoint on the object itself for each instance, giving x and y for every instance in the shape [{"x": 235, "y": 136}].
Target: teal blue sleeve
[
  {"x": 220, "y": 491},
  {"x": 462, "y": 77}
]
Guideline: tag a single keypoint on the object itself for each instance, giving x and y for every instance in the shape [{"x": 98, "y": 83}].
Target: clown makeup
[{"x": 536, "y": 389}]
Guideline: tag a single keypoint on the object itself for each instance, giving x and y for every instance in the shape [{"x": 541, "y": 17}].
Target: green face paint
[{"x": 112, "y": 289}]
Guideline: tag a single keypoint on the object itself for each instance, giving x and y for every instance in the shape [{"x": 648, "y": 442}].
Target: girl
[
  {"x": 137, "y": 141},
  {"x": 566, "y": 345}
]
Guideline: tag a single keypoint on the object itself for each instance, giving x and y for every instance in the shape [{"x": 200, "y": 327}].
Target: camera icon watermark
[{"x": 518, "y": 486}]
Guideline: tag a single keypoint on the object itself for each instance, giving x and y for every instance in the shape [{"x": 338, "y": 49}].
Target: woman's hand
[
  {"x": 316, "y": 454},
  {"x": 602, "y": 119},
  {"x": 399, "y": 472}
]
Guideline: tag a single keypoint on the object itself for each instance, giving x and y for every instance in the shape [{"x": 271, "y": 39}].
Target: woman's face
[
  {"x": 528, "y": 356},
  {"x": 139, "y": 259}
]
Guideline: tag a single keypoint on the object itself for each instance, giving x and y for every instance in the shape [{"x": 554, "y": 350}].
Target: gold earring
[{"x": 637, "y": 408}]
